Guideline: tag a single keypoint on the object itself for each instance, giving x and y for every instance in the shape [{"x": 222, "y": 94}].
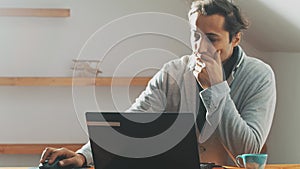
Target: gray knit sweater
[{"x": 239, "y": 111}]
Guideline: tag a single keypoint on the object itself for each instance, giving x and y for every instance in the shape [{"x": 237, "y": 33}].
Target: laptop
[{"x": 122, "y": 140}]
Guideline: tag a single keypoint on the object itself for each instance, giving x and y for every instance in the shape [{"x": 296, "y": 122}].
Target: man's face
[{"x": 217, "y": 38}]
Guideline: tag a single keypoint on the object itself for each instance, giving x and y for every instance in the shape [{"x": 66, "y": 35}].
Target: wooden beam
[
  {"x": 34, "y": 81},
  {"x": 69, "y": 81},
  {"x": 33, "y": 148},
  {"x": 123, "y": 81},
  {"x": 35, "y": 12}
]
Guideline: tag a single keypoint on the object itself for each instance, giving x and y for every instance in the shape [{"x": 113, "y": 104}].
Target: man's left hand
[{"x": 212, "y": 72}]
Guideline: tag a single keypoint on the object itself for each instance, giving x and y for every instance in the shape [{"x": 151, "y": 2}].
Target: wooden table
[
  {"x": 276, "y": 166},
  {"x": 269, "y": 166}
]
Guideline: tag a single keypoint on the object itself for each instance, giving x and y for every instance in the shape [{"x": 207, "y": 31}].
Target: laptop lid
[{"x": 143, "y": 140}]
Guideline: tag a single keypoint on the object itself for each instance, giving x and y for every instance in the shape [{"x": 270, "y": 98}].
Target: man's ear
[{"x": 237, "y": 39}]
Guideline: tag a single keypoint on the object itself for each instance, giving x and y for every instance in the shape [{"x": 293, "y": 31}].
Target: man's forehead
[{"x": 210, "y": 22}]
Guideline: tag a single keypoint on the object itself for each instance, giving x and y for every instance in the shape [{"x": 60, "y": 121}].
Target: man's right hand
[{"x": 70, "y": 158}]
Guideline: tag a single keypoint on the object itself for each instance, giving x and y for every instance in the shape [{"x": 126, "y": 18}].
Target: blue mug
[{"x": 252, "y": 161}]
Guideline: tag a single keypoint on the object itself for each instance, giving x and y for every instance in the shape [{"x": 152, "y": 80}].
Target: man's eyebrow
[{"x": 212, "y": 34}]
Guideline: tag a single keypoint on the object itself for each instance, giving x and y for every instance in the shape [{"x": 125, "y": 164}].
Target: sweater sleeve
[
  {"x": 153, "y": 98},
  {"x": 87, "y": 152},
  {"x": 162, "y": 92},
  {"x": 214, "y": 102},
  {"x": 242, "y": 130}
]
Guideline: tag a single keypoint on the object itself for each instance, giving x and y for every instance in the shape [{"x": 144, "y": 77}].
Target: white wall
[
  {"x": 283, "y": 143},
  {"x": 252, "y": 51},
  {"x": 46, "y": 46},
  {"x": 33, "y": 46}
]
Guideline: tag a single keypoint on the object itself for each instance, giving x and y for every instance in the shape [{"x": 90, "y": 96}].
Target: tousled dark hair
[{"x": 234, "y": 21}]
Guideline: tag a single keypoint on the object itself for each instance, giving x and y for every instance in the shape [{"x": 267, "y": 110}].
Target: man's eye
[{"x": 212, "y": 40}]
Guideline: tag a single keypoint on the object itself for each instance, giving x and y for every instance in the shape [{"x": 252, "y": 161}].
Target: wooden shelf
[
  {"x": 69, "y": 81},
  {"x": 33, "y": 148},
  {"x": 35, "y": 12}
]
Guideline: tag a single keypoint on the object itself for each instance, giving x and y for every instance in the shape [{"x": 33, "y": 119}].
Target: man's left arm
[{"x": 244, "y": 130}]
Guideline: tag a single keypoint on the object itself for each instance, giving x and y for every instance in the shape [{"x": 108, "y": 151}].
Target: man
[{"x": 232, "y": 94}]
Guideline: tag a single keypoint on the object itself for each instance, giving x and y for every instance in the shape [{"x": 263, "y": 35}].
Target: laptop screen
[{"x": 143, "y": 140}]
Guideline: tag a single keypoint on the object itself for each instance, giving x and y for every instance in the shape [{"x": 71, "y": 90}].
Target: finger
[
  {"x": 198, "y": 59},
  {"x": 201, "y": 78},
  {"x": 200, "y": 62},
  {"x": 218, "y": 57},
  {"x": 207, "y": 58},
  {"x": 199, "y": 68},
  {"x": 46, "y": 154},
  {"x": 55, "y": 153},
  {"x": 196, "y": 73},
  {"x": 197, "y": 55},
  {"x": 65, "y": 162},
  {"x": 74, "y": 162}
]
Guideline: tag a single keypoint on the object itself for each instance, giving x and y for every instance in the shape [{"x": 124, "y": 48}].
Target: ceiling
[{"x": 274, "y": 24}]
